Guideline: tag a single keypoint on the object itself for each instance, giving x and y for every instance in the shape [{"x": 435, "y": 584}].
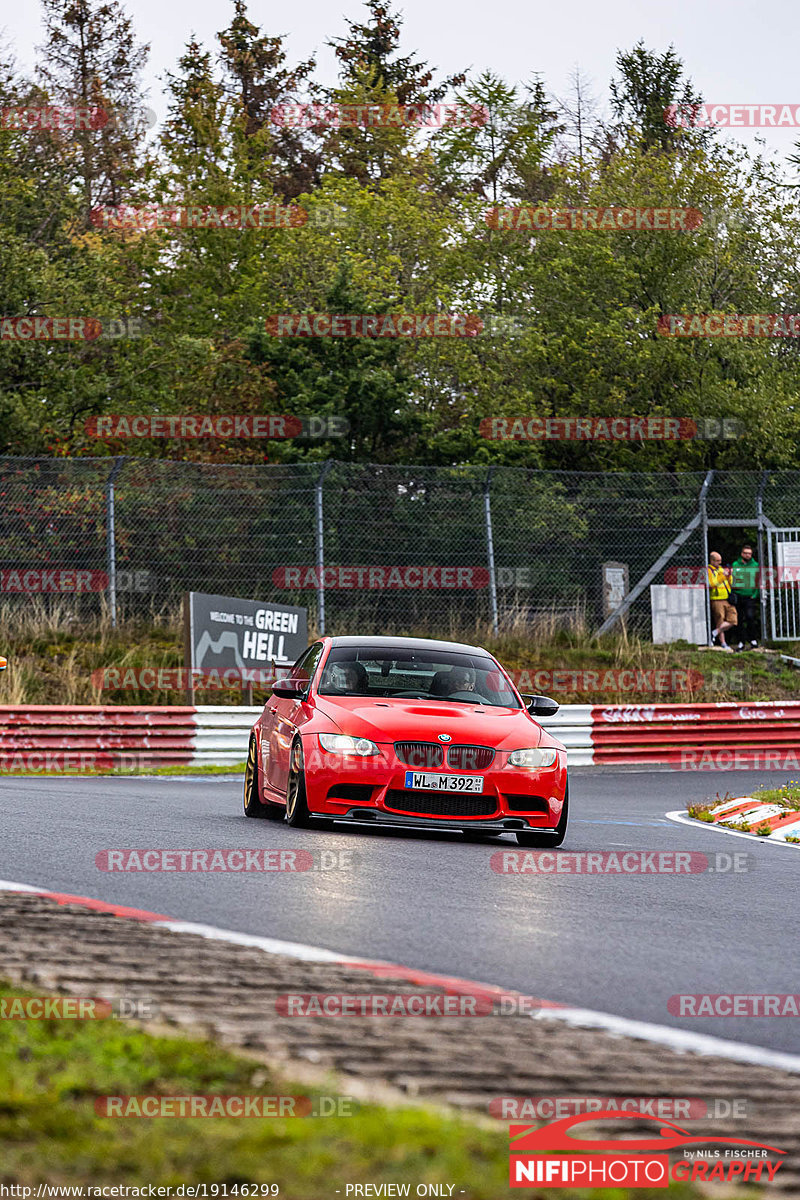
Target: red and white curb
[
  {"x": 680, "y": 1041},
  {"x": 753, "y": 814}
]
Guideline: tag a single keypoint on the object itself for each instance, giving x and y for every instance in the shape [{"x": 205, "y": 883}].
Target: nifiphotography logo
[{"x": 631, "y": 1162}]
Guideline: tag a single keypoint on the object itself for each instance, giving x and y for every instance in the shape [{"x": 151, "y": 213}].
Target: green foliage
[
  {"x": 363, "y": 379},
  {"x": 392, "y": 218}
]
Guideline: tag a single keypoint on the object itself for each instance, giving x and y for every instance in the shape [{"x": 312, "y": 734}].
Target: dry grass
[
  {"x": 54, "y": 644},
  {"x": 53, "y": 647}
]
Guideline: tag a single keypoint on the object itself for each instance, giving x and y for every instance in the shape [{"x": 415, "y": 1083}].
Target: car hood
[{"x": 420, "y": 720}]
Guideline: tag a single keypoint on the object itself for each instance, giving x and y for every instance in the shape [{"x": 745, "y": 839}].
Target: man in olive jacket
[{"x": 746, "y": 595}]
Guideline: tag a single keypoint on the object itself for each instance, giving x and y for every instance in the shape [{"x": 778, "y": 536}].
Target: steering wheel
[{"x": 411, "y": 695}]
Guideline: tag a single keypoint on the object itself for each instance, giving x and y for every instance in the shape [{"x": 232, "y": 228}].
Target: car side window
[{"x": 306, "y": 664}]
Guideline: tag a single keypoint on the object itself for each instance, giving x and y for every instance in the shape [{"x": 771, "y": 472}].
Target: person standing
[
  {"x": 746, "y": 596},
  {"x": 723, "y": 613}
]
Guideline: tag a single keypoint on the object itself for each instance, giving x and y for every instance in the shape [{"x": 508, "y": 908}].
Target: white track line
[
  {"x": 269, "y": 945},
  {"x": 680, "y": 1041}
]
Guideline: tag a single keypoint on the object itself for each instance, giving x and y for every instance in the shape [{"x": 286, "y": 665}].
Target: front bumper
[{"x": 372, "y": 790}]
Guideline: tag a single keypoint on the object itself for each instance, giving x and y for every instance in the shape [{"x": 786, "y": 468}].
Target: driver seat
[{"x": 440, "y": 684}]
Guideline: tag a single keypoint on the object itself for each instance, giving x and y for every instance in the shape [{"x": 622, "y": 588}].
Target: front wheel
[
  {"x": 545, "y": 841},
  {"x": 297, "y": 813},
  {"x": 252, "y": 805}
]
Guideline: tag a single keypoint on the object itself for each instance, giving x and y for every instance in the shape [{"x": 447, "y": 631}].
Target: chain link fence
[{"x": 447, "y": 551}]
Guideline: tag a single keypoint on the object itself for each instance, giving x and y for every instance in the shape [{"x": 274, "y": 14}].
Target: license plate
[{"x": 444, "y": 783}]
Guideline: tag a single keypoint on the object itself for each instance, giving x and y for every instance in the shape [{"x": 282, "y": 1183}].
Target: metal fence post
[
  {"x": 762, "y": 599},
  {"x": 703, "y": 506},
  {"x": 487, "y": 510},
  {"x": 320, "y": 540},
  {"x": 111, "y": 549}
]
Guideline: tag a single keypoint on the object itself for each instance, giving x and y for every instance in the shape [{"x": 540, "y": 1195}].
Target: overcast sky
[{"x": 735, "y": 51}]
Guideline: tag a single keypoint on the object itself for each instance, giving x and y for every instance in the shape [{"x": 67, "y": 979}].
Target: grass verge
[
  {"x": 52, "y": 1072},
  {"x": 788, "y": 795}
]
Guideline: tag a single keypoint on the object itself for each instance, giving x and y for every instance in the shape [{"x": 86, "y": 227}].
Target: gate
[{"x": 783, "y": 583}]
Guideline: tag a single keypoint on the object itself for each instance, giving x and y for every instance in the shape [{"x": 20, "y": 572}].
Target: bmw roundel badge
[{"x": 445, "y": 737}]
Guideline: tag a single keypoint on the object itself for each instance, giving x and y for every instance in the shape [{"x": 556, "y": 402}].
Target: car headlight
[
  {"x": 532, "y": 758},
  {"x": 342, "y": 743}
]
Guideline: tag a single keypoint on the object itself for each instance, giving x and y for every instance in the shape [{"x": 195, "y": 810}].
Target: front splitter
[{"x": 379, "y": 816}]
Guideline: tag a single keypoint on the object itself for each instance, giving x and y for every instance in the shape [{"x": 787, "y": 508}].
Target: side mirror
[
  {"x": 291, "y": 689},
  {"x": 541, "y": 706}
]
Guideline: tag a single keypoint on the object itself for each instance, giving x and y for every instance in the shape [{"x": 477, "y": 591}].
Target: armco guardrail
[
  {"x": 45, "y": 737},
  {"x": 622, "y": 735},
  {"x": 119, "y": 735},
  {"x": 681, "y": 735},
  {"x": 222, "y": 733},
  {"x": 572, "y": 725}
]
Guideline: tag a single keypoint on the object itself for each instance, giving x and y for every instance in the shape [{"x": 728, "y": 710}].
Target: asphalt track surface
[{"x": 620, "y": 944}]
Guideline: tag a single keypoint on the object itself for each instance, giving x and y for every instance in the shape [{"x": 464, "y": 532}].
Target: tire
[
  {"x": 546, "y": 841},
  {"x": 252, "y": 805},
  {"x": 297, "y": 813}
]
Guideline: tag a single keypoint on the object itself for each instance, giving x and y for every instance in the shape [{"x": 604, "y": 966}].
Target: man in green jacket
[{"x": 746, "y": 596}]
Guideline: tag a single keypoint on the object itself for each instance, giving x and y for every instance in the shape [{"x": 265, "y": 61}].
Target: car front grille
[
  {"x": 441, "y": 804},
  {"x": 470, "y": 758},
  {"x": 424, "y": 756}
]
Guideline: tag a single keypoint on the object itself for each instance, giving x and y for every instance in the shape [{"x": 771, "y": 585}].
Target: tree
[
  {"x": 647, "y": 85},
  {"x": 258, "y": 82},
  {"x": 373, "y": 72},
  {"x": 92, "y": 63},
  {"x": 501, "y": 155},
  {"x": 193, "y": 141},
  {"x": 371, "y": 51},
  {"x": 582, "y": 128},
  {"x": 362, "y": 379}
]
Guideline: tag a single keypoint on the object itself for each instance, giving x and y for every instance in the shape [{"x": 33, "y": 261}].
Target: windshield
[{"x": 415, "y": 674}]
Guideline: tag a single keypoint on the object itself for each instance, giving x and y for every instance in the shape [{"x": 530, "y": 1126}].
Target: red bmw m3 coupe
[{"x": 407, "y": 732}]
